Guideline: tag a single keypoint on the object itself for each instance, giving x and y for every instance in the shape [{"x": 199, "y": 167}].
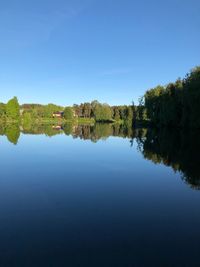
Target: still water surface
[{"x": 105, "y": 198}]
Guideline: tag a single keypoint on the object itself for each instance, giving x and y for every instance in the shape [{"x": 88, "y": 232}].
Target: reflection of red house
[{"x": 58, "y": 114}]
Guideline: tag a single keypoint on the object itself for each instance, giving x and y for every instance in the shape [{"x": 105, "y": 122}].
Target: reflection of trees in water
[
  {"x": 177, "y": 149},
  {"x": 98, "y": 131},
  {"x": 2, "y": 129},
  {"x": 12, "y": 132},
  {"x": 86, "y": 132},
  {"x": 46, "y": 129}
]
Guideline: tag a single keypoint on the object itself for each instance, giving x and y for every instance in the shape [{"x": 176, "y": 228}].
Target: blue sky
[{"x": 73, "y": 51}]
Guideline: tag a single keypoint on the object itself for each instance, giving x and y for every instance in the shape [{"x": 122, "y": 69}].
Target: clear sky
[{"x": 70, "y": 51}]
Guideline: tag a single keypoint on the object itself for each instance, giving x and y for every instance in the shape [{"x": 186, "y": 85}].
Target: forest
[
  {"x": 85, "y": 112},
  {"x": 176, "y": 104},
  {"x": 12, "y": 111}
]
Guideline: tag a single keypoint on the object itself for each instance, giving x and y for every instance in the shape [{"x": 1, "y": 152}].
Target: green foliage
[
  {"x": 38, "y": 111},
  {"x": 130, "y": 113},
  {"x": 2, "y": 112},
  {"x": 103, "y": 113},
  {"x": 68, "y": 113},
  {"x": 26, "y": 119},
  {"x": 141, "y": 114},
  {"x": 177, "y": 104},
  {"x": 13, "y": 109},
  {"x": 84, "y": 111},
  {"x": 2, "y": 109},
  {"x": 50, "y": 109},
  {"x": 116, "y": 113}
]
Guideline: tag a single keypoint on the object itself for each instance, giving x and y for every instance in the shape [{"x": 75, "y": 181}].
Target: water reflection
[
  {"x": 178, "y": 149},
  {"x": 12, "y": 131}
]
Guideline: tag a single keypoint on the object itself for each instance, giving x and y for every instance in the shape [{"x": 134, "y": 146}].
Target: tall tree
[
  {"x": 177, "y": 104},
  {"x": 68, "y": 113},
  {"x": 13, "y": 109},
  {"x": 103, "y": 113},
  {"x": 116, "y": 113}
]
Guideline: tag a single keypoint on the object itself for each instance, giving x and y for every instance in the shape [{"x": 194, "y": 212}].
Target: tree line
[
  {"x": 176, "y": 104},
  {"x": 13, "y": 111}
]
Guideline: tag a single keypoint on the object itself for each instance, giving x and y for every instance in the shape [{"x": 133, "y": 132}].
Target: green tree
[
  {"x": 103, "y": 113},
  {"x": 130, "y": 113},
  {"x": 177, "y": 104},
  {"x": 116, "y": 113},
  {"x": 2, "y": 109},
  {"x": 87, "y": 108},
  {"x": 13, "y": 109},
  {"x": 68, "y": 113}
]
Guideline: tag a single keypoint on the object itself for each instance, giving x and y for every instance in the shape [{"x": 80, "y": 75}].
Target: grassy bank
[{"x": 59, "y": 121}]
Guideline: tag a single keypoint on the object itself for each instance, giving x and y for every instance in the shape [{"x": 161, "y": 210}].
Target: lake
[{"x": 99, "y": 195}]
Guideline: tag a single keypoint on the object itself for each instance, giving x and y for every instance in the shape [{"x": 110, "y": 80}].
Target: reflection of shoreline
[
  {"x": 94, "y": 132},
  {"x": 178, "y": 149}
]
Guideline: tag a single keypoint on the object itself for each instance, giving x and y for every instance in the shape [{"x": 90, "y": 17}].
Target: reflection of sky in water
[{"x": 71, "y": 201}]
